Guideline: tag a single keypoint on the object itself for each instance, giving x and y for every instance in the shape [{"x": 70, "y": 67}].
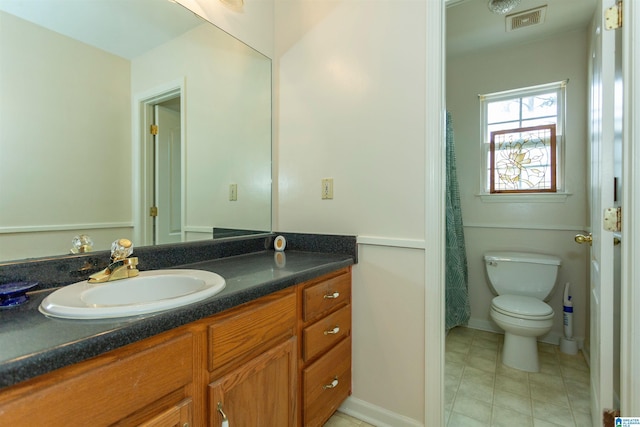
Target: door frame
[
  {"x": 434, "y": 298},
  {"x": 630, "y": 251},
  {"x": 603, "y": 109},
  {"x": 434, "y": 254},
  {"x": 143, "y": 157}
]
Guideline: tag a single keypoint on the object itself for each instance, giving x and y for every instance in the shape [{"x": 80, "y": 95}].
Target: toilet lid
[{"x": 521, "y": 305}]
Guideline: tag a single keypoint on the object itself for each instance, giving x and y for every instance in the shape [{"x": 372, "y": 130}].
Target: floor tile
[
  {"x": 513, "y": 385},
  {"x": 514, "y": 402},
  {"x": 552, "y": 413},
  {"x": 558, "y": 395},
  {"x": 503, "y": 417},
  {"x": 459, "y": 420},
  {"x": 482, "y": 392},
  {"x": 472, "y": 408}
]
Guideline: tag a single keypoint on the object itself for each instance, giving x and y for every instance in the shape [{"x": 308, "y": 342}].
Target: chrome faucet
[{"x": 121, "y": 267}]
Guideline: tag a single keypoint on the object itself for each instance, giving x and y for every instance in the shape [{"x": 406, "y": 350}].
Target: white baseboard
[
  {"x": 375, "y": 415},
  {"x": 550, "y": 338}
]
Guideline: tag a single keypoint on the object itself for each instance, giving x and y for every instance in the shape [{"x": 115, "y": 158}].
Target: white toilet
[{"x": 522, "y": 282}]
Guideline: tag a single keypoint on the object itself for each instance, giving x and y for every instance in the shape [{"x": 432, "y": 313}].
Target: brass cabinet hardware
[
  {"x": 333, "y": 295},
  {"x": 225, "y": 420},
  {"x": 333, "y": 384},
  {"x": 333, "y": 331}
]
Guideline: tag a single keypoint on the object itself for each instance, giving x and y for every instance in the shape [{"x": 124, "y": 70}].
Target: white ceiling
[
  {"x": 126, "y": 28},
  {"x": 472, "y": 27}
]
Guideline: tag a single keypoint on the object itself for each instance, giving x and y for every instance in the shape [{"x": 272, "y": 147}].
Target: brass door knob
[{"x": 582, "y": 239}]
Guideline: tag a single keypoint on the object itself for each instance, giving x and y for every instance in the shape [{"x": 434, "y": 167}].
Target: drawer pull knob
[
  {"x": 333, "y": 384},
  {"x": 225, "y": 420},
  {"x": 332, "y": 331},
  {"x": 332, "y": 295}
]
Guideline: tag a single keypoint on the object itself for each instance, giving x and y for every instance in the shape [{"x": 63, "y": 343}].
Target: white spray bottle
[
  {"x": 567, "y": 344},
  {"x": 567, "y": 312}
]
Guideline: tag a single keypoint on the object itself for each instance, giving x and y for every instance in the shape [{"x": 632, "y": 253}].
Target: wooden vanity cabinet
[
  {"x": 180, "y": 415},
  {"x": 281, "y": 360},
  {"x": 260, "y": 393},
  {"x": 253, "y": 361},
  {"x": 325, "y": 348},
  {"x": 134, "y": 385}
]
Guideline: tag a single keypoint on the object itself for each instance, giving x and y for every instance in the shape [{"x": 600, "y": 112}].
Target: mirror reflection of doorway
[
  {"x": 167, "y": 173},
  {"x": 161, "y": 141}
]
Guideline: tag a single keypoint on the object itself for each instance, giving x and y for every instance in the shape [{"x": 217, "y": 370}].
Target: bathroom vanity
[{"x": 274, "y": 345}]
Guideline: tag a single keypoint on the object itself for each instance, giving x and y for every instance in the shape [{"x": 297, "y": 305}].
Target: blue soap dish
[{"x": 15, "y": 293}]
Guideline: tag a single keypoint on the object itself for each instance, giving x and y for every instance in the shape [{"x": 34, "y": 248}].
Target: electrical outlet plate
[
  {"x": 233, "y": 192},
  {"x": 327, "y": 188}
]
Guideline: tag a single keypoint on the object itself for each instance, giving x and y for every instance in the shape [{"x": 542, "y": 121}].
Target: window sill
[{"x": 524, "y": 198}]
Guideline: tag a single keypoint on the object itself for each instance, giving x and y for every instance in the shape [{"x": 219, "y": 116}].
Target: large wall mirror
[{"x": 111, "y": 111}]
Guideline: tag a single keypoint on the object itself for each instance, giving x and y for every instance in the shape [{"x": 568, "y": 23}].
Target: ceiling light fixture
[
  {"x": 502, "y": 7},
  {"x": 235, "y": 5}
]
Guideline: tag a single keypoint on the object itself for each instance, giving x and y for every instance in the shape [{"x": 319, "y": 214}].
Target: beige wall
[
  {"x": 43, "y": 74},
  {"x": 229, "y": 140},
  {"x": 227, "y": 99},
  {"x": 350, "y": 105},
  {"x": 547, "y": 227}
]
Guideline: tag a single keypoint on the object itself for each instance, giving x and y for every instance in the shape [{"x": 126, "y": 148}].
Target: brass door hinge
[
  {"x": 612, "y": 219},
  {"x": 153, "y": 130},
  {"x": 153, "y": 211},
  {"x": 613, "y": 17}
]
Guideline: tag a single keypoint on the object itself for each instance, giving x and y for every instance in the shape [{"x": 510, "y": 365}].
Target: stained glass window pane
[
  {"x": 523, "y": 160},
  {"x": 528, "y": 107}
]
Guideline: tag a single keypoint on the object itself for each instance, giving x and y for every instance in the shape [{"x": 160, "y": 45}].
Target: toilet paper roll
[{"x": 280, "y": 243}]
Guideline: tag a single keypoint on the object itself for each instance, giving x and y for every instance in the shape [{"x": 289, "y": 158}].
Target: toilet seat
[{"x": 522, "y": 307}]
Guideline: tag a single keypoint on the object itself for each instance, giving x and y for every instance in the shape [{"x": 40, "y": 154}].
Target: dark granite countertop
[{"x": 32, "y": 344}]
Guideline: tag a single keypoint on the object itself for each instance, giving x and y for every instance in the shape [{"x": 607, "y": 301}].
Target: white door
[
  {"x": 168, "y": 223},
  {"x": 601, "y": 197}
]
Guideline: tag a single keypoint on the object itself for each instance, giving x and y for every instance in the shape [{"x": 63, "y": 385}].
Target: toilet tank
[{"x": 522, "y": 273}]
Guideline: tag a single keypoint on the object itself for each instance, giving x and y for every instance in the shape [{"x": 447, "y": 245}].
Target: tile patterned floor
[
  {"x": 481, "y": 391},
  {"x": 343, "y": 420}
]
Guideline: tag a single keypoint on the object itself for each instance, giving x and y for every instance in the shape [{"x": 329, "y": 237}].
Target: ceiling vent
[{"x": 527, "y": 18}]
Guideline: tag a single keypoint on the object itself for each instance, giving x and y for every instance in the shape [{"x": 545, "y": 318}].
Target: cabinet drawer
[
  {"x": 178, "y": 415},
  {"x": 326, "y": 295},
  {"x": 326, "y": 383},
  {"x": 239, "y": 335},
  {"x": 326, "y": 332}
]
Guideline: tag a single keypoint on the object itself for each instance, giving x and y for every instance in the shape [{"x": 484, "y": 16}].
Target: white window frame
[{"x": 485, "y": 140}]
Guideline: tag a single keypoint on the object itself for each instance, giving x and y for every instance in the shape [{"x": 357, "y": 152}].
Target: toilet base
[{"x": 520, "y": 352}]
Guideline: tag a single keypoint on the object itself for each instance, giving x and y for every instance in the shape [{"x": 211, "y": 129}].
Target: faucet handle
[
  {"x": 81, "y": 243},
  {"x": 121, "y": 249}
]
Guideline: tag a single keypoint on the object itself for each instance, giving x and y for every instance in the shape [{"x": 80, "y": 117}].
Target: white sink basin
[{"x": 149, "y": 292}]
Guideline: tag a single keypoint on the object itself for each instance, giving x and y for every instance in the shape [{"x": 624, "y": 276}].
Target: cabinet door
[{"x": 260, "y": 393}]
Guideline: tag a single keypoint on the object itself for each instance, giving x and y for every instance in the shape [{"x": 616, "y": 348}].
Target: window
[{"x": 522, "y": 140}]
